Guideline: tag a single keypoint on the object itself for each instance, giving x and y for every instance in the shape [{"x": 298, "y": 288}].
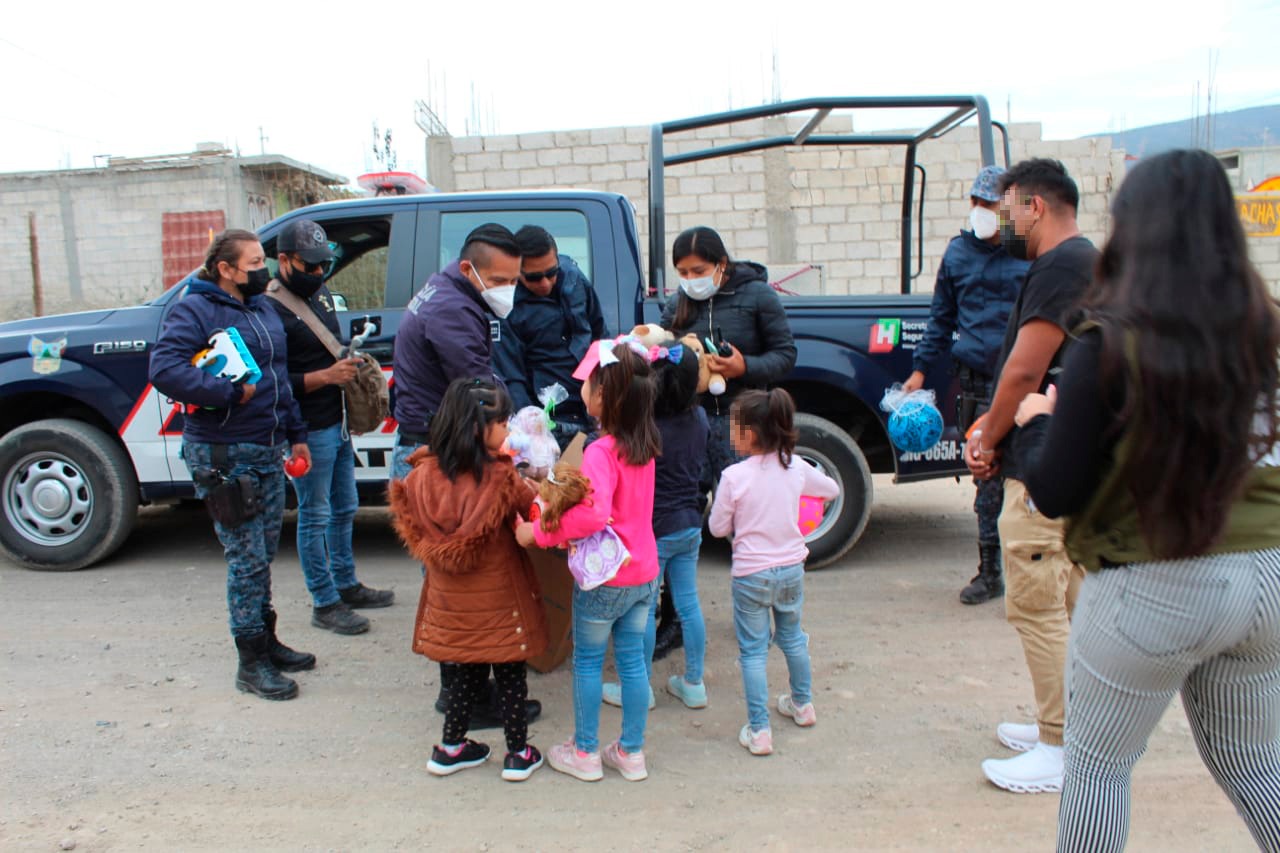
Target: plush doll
[
  {"x": 593, "y": 559},
  {"x": 531, "y": 444},
  {"x": 707, "y": 379}
]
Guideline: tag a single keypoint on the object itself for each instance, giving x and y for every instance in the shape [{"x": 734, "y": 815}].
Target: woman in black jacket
[{"x": 731, "y": 303}]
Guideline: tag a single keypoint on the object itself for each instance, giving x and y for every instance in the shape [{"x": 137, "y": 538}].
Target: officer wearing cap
[
  {"x": 977, "y": 284},
  {"x": 327, "y": 499}
]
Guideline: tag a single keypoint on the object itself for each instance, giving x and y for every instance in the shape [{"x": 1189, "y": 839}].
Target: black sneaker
[
  {"x": 472, "y": 754},
  {"x": 362, "y": 596},
  {"x": 339, "y": 618},
  {"x": 518, "y": 766}
]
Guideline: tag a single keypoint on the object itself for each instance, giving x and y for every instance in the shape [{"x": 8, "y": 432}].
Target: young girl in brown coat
[{"x": 481, "y": 606}]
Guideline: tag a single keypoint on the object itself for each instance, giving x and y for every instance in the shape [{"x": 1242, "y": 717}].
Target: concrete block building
[{"x": 121, "y": 234}]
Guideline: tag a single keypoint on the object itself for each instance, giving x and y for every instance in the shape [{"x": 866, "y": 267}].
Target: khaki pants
[{"x": 1041, "y": 584}]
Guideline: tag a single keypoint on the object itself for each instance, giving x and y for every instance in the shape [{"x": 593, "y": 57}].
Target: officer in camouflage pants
[{"x": 250, "y": 548}]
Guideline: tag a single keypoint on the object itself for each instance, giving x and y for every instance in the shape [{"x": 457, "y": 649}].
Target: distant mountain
[{"x": 1256, "y": 126}]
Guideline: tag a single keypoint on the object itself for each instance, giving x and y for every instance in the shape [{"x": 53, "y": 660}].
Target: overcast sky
[{"x": 135, "y": 79}]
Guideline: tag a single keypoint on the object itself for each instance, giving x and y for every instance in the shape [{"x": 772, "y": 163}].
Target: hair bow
[
  {"x": 631, "y": 342},
  {"x": 672, "y": 354}
]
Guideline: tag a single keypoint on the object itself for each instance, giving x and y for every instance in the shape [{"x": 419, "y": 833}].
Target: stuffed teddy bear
[
  {"x": 652, "y": 335},
  {"x": 592, "y": 559},
  {"x": 708, "y": 380}
]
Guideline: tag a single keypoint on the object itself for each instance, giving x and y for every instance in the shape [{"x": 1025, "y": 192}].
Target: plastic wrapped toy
[
  {"x": 915, "y": 424},
  {"x": 530, "y": 442},
  {"x": 592, "y": 559},
  {"x": 228, "y": 357}
]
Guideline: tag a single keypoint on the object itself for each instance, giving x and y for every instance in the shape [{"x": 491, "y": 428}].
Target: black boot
[
  {"x": 285, "y": 658},
  {"x": 257, "y": 674},
  {"x": 670, "y": 635},
  {"x": 484, "y": 713},
  {"x": 988, "y": 583}
]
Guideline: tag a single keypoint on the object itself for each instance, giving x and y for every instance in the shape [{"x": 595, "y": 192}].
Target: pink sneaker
[
  {"x": 630, "y": 765},
  {"x": 802, "y": 715},
  {"x": 567, "y": 758},
  {"x": 756, "y": 743}
]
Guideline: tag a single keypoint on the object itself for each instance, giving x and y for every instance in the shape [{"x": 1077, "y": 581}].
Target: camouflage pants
[
  {"x": 250, "y": 547},
  {"x": 987, "y": 503}
]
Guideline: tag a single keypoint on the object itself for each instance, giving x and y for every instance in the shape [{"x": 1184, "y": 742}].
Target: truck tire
[
  {"x": 68, "y": 495},
  {"x": 825, "y": 445}
]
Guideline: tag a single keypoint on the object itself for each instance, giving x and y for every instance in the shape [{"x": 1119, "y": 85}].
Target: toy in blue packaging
[
  {"x": 915, "y": 424},
  {"x": 228, "y": 358}
]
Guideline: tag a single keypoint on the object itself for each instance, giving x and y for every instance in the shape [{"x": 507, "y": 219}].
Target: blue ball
[{"x": 915, "y": 426}]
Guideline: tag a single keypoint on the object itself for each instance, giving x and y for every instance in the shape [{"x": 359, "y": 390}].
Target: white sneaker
[
  {"x": 1018, "y": 736},
  {"x": 1036, "y": 771}
]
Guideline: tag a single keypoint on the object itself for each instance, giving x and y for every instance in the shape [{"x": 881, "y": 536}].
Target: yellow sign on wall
[{"x": 1260, "y": 213}]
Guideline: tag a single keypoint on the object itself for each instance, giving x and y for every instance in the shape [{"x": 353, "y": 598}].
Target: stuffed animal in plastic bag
[
  {"x": 915, "y": 424},
  {"x": 592, "y": 559},
  {"x": 530, "y": 442}
]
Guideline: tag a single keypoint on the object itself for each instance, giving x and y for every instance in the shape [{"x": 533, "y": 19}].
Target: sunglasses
[{"x": 550, "y": 275}]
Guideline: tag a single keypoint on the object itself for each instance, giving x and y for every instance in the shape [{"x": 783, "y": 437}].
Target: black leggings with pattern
[{"x": 468, "y": 684}]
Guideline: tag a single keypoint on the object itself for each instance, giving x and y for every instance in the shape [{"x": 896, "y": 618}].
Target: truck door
[{"x": 371, "y": 279}]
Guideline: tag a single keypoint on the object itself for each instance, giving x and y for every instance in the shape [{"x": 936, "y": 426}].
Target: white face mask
[
  {"x": 984, "y": 222},
  {"x": 699, "y": 289},
  {"x": 500, "y": 299}
]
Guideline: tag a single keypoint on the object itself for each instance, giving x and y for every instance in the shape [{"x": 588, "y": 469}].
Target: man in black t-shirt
[{"x": 1038, "y": 207}]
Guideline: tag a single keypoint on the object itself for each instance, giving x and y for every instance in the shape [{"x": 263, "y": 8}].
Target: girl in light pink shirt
[{"x": 757, "y": 504}]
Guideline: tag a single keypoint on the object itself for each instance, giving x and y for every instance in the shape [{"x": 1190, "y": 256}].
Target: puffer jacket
[
  {"x": 214, "y": 413},
  {"x": 480, "y": 600},
  {"x": 746, "y": 312}
]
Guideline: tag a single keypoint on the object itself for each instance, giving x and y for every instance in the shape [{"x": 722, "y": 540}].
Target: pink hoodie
[{"x": 622, "y": 495}]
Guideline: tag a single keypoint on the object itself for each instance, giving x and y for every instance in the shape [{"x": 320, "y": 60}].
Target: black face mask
[
  {"x": 255, "y": 282},
  {"x": 1014, "y": 243},
  {"x": 304, "y": 284}
]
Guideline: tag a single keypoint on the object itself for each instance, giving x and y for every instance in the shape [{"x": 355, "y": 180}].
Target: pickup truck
[{"x": 85, "y": 440}]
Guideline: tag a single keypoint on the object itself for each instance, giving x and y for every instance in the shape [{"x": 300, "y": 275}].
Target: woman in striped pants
[{"x": 1159, "y": 445}]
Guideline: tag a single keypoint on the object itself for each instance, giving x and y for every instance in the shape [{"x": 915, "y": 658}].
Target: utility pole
[
  {"x": 37, "y": 291},
  {"x": 262, "y": 141}
]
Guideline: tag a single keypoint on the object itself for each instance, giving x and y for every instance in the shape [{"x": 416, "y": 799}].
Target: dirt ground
[{"x": 120, "y": 728}]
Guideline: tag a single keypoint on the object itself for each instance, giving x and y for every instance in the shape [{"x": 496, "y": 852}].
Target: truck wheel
[
  {"x": 825, "y": 445},
  {"x": 68, "y": 494}
]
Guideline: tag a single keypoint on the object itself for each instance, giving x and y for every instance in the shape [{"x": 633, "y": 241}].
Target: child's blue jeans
[
  {"x": 779, "y": 591},
  {"x": 620, "y": 612}
]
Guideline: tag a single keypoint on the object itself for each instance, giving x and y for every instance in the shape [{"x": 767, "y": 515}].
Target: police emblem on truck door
[{"x": 46, "y": 356}]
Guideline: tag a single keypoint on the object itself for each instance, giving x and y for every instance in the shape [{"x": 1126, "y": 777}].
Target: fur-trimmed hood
[{"x": 448, "y": 525}]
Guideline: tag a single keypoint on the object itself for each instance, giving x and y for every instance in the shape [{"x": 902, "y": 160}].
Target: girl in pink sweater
[
  {"x": 618, "y": 390},
  {"x": 758, "y": 503}
]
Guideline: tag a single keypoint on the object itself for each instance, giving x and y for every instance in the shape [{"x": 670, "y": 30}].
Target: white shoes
[
  {"x": 1036, "y": 771},
  {"x": 1018, "y": 736}
]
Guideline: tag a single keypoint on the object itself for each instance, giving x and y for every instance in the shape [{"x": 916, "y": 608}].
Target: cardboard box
[
  {"x": 552, "y": 571},
  {"x": 553, "y": 575}
]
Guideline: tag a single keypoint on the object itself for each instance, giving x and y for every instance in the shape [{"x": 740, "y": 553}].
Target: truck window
[
  {"x": 569, "y": 227},
  {"x": 359, "y": 270}
]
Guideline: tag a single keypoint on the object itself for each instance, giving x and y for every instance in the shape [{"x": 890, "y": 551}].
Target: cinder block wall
[
  {"x": 836, "y": 208},
  {"x": 99, "y": 231}
]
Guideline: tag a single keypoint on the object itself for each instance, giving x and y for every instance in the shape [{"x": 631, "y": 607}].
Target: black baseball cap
[{"x": 307, "y": 240}]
